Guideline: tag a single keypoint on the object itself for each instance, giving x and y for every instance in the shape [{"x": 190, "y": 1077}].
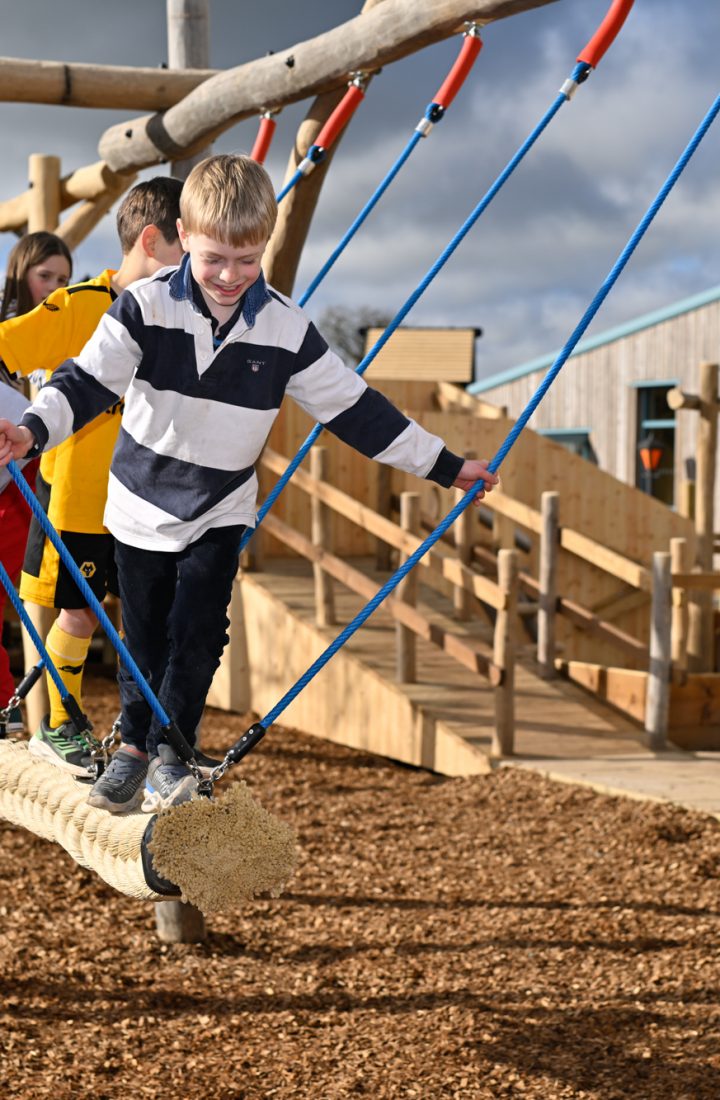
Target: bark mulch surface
[{"x": 499, "y": 936}]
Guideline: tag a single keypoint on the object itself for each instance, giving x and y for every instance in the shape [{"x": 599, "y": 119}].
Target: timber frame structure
[{"x": 193, "y": 107}]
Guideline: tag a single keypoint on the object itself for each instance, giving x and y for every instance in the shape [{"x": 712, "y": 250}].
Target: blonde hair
[{"x": 230, "y": 198}]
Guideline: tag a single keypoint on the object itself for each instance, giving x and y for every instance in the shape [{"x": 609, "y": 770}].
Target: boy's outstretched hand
[
  {"x": 15, "y": 442},
  {"x": 471, "y": 471}
]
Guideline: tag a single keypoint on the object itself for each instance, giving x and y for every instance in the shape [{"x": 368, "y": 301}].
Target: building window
[
  {"x": 576, "y": 440},
  {"x": 655, "y": 435}
]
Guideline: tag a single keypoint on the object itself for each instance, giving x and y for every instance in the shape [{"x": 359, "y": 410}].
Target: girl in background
[{"x": 38, "y": 264}]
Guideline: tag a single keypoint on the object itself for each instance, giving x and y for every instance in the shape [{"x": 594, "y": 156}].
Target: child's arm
[
  {"x": 82, "y": 388},
  {"x": 362, "y": 417}
]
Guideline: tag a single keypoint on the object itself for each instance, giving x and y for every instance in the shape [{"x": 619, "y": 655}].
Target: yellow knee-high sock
[{"x": 68, "y": 654}]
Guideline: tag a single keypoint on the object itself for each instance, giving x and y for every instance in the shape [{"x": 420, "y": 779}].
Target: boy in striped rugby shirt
[{"x": 203, "y": 355}]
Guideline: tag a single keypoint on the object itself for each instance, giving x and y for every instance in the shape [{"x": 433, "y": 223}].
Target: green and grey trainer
[{"x": 63, "y": 747}]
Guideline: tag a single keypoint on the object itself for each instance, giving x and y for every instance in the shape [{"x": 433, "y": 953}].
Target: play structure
[{"x": 556, "y": 575}]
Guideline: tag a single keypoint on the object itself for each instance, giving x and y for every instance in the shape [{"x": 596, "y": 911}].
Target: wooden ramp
[{"x": 444, "y": 721}]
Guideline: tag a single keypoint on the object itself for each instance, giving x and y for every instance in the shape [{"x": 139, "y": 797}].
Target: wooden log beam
[
  {"x": 392, "y": 30},
  {"x": 74, "y": 85},
  {"x": 87, "y": 184}
]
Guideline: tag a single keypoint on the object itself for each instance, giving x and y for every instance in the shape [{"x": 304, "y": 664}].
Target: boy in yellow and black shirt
[{"x": 72, "y": 483}]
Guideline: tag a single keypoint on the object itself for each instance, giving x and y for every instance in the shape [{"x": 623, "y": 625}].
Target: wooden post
[
  {"x": 679, "y": 563},
  {"x": 188, "y": 23},
  {"x": 383, "y": 506},
  {"x": 549, "y": 544},
  {"x": 44, "y": 198},
  {"x": 462, "y": 531},
  {"x": 320, "y": 535},
  {"x": 178, "y": 921},
  {"x": 283, "y": 253},
  {"x": 686, "y": 498},
  {"x": 504, "y": 655},
  {"x": 406, "y": 642},
  {"x": 700, "y": 646},
  {"x": 657, "y": 702},
  {"x": 503, "y": 532},
  {"x": 43, "y": 213}
]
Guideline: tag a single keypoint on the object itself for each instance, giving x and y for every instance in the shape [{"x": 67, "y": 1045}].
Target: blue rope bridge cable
[
  {"x": 579, "y": 74},
  {"x": 512, "y": 436},
  {"x": 434, "y": 113},
  {"x": 90, "y": 598},
  {"x": 69, "y": 702},
  {"x": 367, "y": 209}
]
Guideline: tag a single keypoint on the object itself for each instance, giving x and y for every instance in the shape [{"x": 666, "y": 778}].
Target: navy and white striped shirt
[{"x": 196, "y": 416}]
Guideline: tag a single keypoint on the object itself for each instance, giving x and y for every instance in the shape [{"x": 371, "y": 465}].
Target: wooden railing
[
  {"x": 452, "y": 565},
  {"x": 496, "y": 666}
]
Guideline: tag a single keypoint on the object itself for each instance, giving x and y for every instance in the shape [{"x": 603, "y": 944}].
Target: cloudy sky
[{"x": 532, "y": 263}]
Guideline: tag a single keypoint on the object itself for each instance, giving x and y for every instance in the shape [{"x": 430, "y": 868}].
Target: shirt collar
[{"x": 256, "y": 296}]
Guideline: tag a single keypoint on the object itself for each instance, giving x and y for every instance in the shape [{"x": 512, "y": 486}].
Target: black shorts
[{"x": 46, "y": 580}]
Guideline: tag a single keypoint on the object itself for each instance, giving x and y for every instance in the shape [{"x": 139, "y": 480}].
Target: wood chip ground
[{"x": 443, "y": 939}]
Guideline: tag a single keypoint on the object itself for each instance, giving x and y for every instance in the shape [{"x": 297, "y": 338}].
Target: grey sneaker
[
  {"x": 168, "y": 782},
  {"x": 63, "y": 747},
  {"x": 120, "y": 787}
]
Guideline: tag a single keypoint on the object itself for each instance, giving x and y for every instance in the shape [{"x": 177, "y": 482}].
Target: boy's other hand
[
  {"x": 471, "y": 471},
  {"x": 15, "y": 442}
]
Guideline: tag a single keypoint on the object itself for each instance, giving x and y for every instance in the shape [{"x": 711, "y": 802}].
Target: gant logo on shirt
[{"x": 255, "y": 364}]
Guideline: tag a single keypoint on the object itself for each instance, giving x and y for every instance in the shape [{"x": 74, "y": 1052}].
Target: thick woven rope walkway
[{"x": 219, "y": 853}]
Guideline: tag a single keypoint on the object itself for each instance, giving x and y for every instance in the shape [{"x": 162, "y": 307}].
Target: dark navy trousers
[{"x": 174, "y": 611}]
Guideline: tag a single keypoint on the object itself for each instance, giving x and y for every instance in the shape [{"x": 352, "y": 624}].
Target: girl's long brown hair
[{"x": 32, "y": 249}]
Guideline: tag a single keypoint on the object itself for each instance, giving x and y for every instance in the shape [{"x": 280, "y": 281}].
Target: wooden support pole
[
  {"x": 405, "y": 641},
  {"x": 686, "y": 498},
  {"x": 179, "y": 921},
  {"x": 321, "y": 537},
  {"x": 503, "y": 740},
  {"x": 679, "y": 563},
  {"x": 383, "y": 506},
  {"x": 503, "y": 532},
  {"x": 44, "y": 199},
  {"x": 188, "y": 31},
  {"x": 701, "y": 634},
  {"x": 549, "y": 547},
  {"x": 657, "y": 703},
  {"x": 296, "y": 211},
  {"x": 462, "y": 532}
]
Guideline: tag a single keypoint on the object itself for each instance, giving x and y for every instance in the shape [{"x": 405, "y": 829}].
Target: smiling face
[
  {"x": 222, "y": 271},
  {"x": 47, "y": 276}
]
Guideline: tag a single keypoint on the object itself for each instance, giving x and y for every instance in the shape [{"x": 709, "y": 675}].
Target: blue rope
[
  {"x": 512, "y": 436},
  {"x": 289, "y": 185},
  {"x": 34, "y": 636},
  {"x": 90, "y": 597},
  {"x": 579, "y": 74},
  {"x": 364, "y": 213}
]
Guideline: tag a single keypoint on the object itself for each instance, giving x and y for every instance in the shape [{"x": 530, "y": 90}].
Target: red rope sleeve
[
  {"x": 340, "y": 116},
  {"x": 264, "y": 137},
  {"x": 606, "y": 33},
  {"x": 456, "y": 77}
]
